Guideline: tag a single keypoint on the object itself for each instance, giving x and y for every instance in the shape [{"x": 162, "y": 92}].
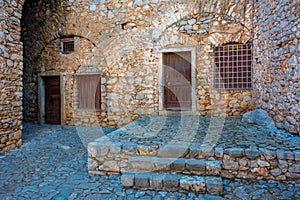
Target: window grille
[
  {"x": 67, "y": 45},
  {"x": 89, "y": 93},
  {"x": 233, "y": 66}
]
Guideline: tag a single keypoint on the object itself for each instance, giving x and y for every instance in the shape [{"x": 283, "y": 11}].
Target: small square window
[
  {"x": 67, "y": 45},
  {"x": 233, "y": 66}
]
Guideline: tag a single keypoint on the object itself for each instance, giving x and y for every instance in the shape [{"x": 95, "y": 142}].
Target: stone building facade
[
  {"x": 11, "y": 70},
  {"x": 125, "y": 42}
]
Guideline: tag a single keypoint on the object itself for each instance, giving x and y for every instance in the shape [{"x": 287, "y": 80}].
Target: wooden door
[
  {"x": 52, "y": 100},
  {"x": 177, "y": 81}
]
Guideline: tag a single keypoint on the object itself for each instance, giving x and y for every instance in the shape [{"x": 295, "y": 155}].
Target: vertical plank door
[
  {"x": 52, "y": 100},
  {"x": 177, "y": 81}
]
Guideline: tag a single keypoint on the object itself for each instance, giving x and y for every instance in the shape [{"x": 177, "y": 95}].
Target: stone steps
[
  {"x": 177, "y": 165},
  {"x": 173, "y": 182}
]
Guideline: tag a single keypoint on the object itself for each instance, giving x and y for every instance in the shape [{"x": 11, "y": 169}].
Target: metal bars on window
[
  {"x": 67, "y": 45},
  {"x": 233, "y": 66}
]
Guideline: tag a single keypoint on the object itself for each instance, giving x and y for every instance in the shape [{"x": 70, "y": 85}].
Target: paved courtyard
[{"x": 52, "y": 164}]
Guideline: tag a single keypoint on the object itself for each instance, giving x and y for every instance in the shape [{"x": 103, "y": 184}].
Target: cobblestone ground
[{"x": 52, "y": 164}]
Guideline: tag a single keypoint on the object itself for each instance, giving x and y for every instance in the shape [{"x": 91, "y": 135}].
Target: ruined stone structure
[
  {"x": 11, "y": 70},
  {"x": 125, "y": 43}
]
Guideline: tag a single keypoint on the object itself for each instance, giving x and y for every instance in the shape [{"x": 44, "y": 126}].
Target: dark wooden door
[
  {"x": 52, "y": 100},
  {"x": 177, "y": 81}
]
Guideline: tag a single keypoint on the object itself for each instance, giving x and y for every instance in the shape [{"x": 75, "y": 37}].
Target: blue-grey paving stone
[
  {"x": 297, "y": 155},
  {"x": 241, "y": 193},
  {"x": 214, "y": 185},
  {"x": 294, "y": 168},
  {"x": 285, "y": 155},
  {"x": 258, "y": 194},
  {"x": 157, "y": 197},
  {"x": 140, "y": 194},
  {"x": 234, "y": 152},
  {"x": 212, "y": 197},
  {"x": 252, "y": 153}
]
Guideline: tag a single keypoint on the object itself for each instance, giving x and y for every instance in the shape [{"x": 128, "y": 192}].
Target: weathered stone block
[
  {"x": 219, "y": 152},
  {"x": 252, "y": 153},
  {"x": 156, "y": 181},
  {"x": 127, "y": 180},
  {"x": 97, "y": 149},
  {"x": 178, "y": 165},
  {"x": 115, "y": 148},
  {"x": 269, "y": 155},
  {"x": 235, "y": 152},
  {"x": 173, "y": 151},
  {"x": 130, "y": 148},
  {"x": 276, "y": 172},
  {"x": 294, "y": 168},
  {"x": 171, "y": 181},
  {"x": 196, "y": 166},
  {"x": 194, "y": 151},
  {"x": 141, "y": 180},
  {"x": 214, "y": 185},
  {"x": 141, "y": 163},
  {"x": 110, "y": 166},
  {"x": 213, "y": 168},
  {"x": 193, "y": 183},
  {"x": 262, "y": 163}
]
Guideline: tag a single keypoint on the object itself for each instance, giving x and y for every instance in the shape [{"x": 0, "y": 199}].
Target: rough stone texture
[
  {"x": 276, "y": 62},
  {"x": 122, "y": 41},
  {"x": 258, "y": 117},
  {"x": 11, "y": 71},
  {"x": 59, "y": 173}
]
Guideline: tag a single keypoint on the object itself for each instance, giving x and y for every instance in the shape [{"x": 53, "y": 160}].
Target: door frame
[
  {"x": 41, "y": 95},
  {"x": 162, "y": 110}
]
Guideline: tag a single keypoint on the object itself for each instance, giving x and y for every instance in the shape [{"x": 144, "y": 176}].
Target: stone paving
[{"x": 52, "y": 164}]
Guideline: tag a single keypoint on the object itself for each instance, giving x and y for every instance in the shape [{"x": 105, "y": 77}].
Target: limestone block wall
[
  {"x": 277, "y": 62},
  {"x": 123, "y": 41},
  {"x": 11, "y": 67}
]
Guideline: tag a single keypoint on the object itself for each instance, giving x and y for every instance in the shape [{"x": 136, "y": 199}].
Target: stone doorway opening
[
  {"x": 177, "y": 80},
  {"x": 51, "y": 98}
]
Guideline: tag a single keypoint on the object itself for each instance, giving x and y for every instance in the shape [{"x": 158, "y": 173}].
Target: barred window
[
  {"x": 89, "y": 93},
  {"x": 233, "y": 66},
  {"x": 67, "y": 45}
]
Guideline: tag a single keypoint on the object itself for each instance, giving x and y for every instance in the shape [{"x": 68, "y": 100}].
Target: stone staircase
[
  {"x": 154, "y": 161},
  {"x": 173, "y": 174}
]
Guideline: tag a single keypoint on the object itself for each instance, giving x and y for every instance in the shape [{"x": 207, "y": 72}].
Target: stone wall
[
  {"x": 123, "y": 42},
  {"x": 11, "y": 67},
  {"x": 276, "y": 56}
]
